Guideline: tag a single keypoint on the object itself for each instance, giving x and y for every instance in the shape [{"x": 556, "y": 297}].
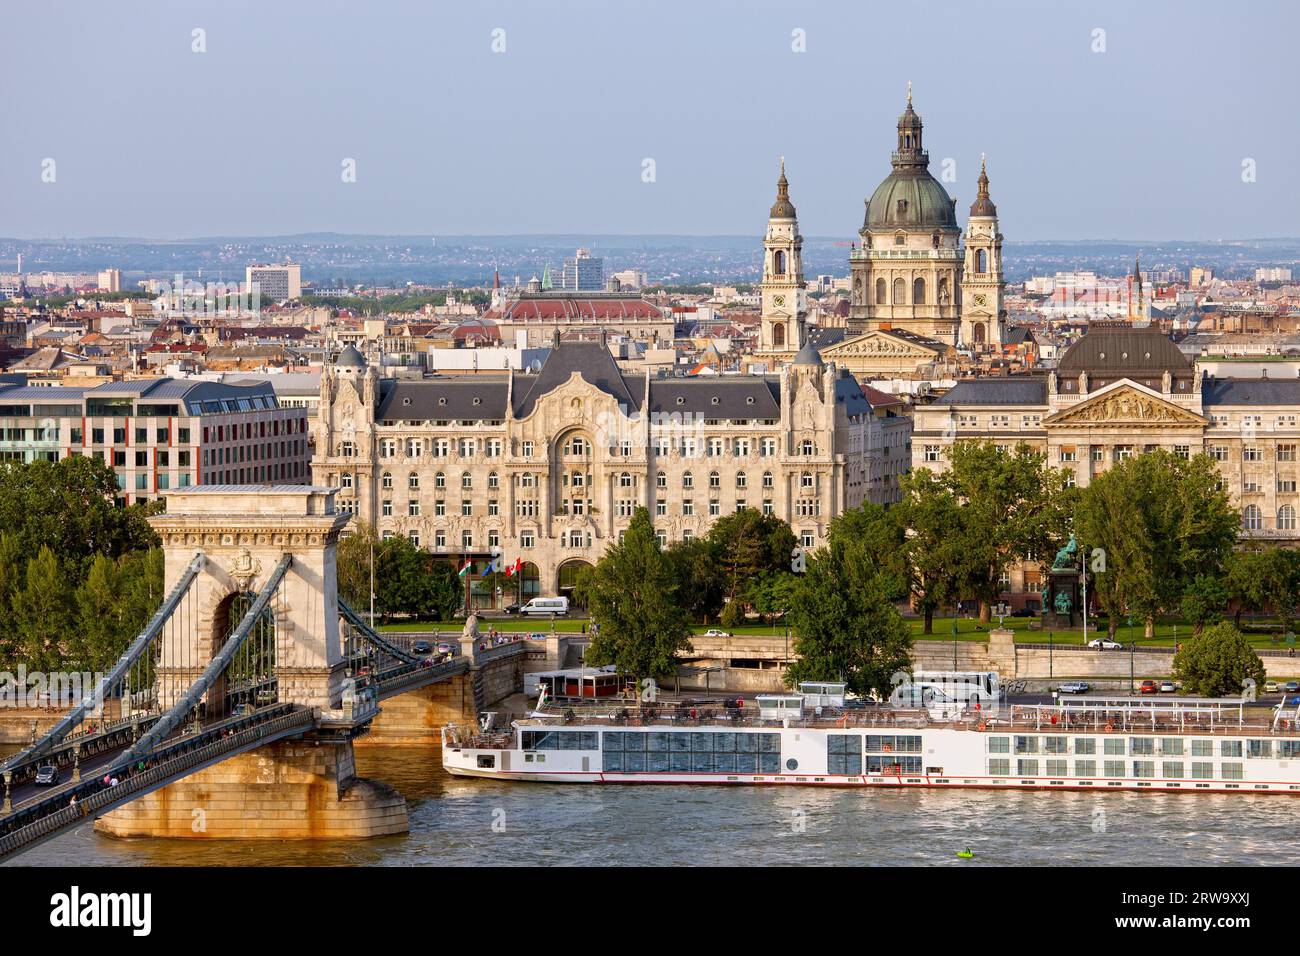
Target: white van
[{"x": 546, "y": 606}]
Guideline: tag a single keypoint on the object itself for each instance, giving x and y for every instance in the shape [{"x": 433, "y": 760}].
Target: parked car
[
  {"x": 513, "y": 608},
  {"x": 715, "y": 632},
  {"x": 1291, "y": 686},
  {"x": 421, "y": 647},
  {"x": 1024, "y": 612},
  {"x": 1168, "y": 687},
  {"x": 1271, "y": 687},
  {"x": 1075, "y": 687},
  {"x": 1148, "y": 687},
  {"x": 47, "y": 775},
  {"x": 1105, "y": 644},
  {"x": 445, "y": 648}
]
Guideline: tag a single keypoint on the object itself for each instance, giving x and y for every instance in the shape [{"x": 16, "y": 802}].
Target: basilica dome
[{"x": 910, "y": 198}]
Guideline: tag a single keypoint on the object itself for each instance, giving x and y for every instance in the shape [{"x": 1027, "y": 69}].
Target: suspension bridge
[{"x": 250, "y": 653}]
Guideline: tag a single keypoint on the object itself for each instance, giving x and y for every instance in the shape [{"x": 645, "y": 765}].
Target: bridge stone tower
[{"x": 244, "y": 532}]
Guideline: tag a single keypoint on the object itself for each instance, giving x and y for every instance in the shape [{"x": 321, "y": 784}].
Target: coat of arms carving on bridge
[{"x": 243, "y": 567}]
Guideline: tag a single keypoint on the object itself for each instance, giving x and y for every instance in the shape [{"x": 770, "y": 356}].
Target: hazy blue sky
[{"x": 1145, "y": 140}]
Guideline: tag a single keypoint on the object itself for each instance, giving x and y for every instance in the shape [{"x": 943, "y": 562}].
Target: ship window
[
  {"x": 792, "y": 764},
  {"x": 487, "y": 761},
  {"x": 844, "y": 754}
]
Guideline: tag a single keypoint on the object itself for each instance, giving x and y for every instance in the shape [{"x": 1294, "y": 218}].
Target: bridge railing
[{"x": 166, "y": 765}]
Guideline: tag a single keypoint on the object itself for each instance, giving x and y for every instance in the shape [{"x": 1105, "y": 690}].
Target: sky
[{"x": 1176, "y": 121}]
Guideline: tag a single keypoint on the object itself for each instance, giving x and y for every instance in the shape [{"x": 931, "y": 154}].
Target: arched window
[
  {"x": 880, "y": 292},
  {"x": 466, "y": 480},
  {"x": 413, "y": 480},
  {"x": 1286, "y": 518},
  {"x": 900, "y": 292},
  {"x": 440, "y": 480},
  {"x": 918, "y": 292},
  {"x": 388, "y": 479},
  {"x": 981, "y": 260},
  {"x": 740, "y": 479},
  {"x": 1251, "y": 519},
  {"x": 778, "y": 263},
  {"x": 778, "y": 336},
  {"x": 688, "y": 481},
  {"x": 625, "y": 480}
]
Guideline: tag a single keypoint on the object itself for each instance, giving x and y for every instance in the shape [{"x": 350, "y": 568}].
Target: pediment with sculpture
[
  {"x": 1126, "y": 405},
  {"x": 878, "y": 344}
]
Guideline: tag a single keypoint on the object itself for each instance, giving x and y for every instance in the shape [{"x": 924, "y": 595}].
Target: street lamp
[{"x": 954, "y": 643}]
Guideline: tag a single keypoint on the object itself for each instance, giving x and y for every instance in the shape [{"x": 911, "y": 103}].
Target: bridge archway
[
  {"x": 244, "y": 534},
  {"x": 566, "y": 577}
]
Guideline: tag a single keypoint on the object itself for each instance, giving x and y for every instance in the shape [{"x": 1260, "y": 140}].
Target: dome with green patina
[{"x": 910, "y": 198}]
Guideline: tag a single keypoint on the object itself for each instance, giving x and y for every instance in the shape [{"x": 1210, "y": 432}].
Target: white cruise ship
[{"x": 1122, "y": 743}]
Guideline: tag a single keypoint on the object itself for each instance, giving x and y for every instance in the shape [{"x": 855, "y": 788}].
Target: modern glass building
[{"x": 160, "y": 433}]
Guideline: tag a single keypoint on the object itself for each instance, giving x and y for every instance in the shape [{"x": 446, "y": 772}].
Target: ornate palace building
[
  {"x": 548, "y": 467},
  {"x": 919, "y": 287},
  {"x": 1122, "y": 390}
]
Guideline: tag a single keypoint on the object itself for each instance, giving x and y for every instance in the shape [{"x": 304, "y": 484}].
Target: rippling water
[{"x": 452, "y": 822}]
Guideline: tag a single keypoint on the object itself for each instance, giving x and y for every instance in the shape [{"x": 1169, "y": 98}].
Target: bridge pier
[
  {"x": 293, "y": 790},
  {"x": 418, "y": 716}
]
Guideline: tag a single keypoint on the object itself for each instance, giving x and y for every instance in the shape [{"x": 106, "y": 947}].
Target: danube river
[{"x": 475, "y": 822}]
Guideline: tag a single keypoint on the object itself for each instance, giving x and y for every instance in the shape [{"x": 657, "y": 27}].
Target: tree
[
  {"x": 352, "y": 560},
  {"x": 68, "y": 506},
  {"x": 1204, "y": 601},
  {"x": 699, "y": 577},
  {"x": 748, "y": 543},
  {"x": 773, "y": 594},
  {"x": 845, "y": 623},
  {"x": 43, "y": 613},
  {"x": 1267, "y": 578},
  {"x": 97, "y": 638},
  {"x": 1218, "y": 662},
  {"x": 632, "y": 597},
  {"x": 1160, "y": 522},
  {"x": 936, "y": 560},
  {"x": 13, "y": 575},
  {"x": 409, "y": 580},
  {"x": 1012, "y": 507},
  {"x": 881, "y": 534}
]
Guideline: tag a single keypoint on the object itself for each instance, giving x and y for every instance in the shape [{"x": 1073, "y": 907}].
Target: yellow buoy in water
[{"x": 966, "y": 854}]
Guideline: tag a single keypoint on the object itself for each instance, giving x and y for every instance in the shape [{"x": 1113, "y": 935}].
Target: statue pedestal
[{"x": 1062, "y": 609}]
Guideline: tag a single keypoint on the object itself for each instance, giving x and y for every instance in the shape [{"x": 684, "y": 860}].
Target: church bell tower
[
  {"x": 983, "y": 314},
  {"x": 784, "y": 299}
]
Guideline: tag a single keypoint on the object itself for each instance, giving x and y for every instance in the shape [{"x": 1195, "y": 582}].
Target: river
[{"x": 464, "y": 822}]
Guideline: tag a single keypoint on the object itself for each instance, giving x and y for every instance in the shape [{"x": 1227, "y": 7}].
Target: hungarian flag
[{"x": 465, "y": 570}]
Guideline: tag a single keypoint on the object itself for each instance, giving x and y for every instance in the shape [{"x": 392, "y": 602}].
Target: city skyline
[{"x": 252, "y": 137}]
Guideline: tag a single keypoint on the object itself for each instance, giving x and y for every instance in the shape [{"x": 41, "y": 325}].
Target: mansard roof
[
  {"x": 465, "y": 397},
  {"x": 591, "y": 360},
  {"x": 1252, "y": 391},
  {"x": 996, "y": 391}
]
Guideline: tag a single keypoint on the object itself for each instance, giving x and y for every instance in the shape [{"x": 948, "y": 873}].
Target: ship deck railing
[{"x": 1182, "y": 716}]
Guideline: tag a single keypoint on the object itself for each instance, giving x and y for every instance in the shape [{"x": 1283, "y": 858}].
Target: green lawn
[
  {"x": 968, "y": 629},
  {"x": 1166, "y": 632}
]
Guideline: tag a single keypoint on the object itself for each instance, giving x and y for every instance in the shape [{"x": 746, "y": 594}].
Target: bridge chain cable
[
  {"x": 126, "y": 666},
  {"x": 373, "y": 637},
  {"x": 189, "y": 700}
]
